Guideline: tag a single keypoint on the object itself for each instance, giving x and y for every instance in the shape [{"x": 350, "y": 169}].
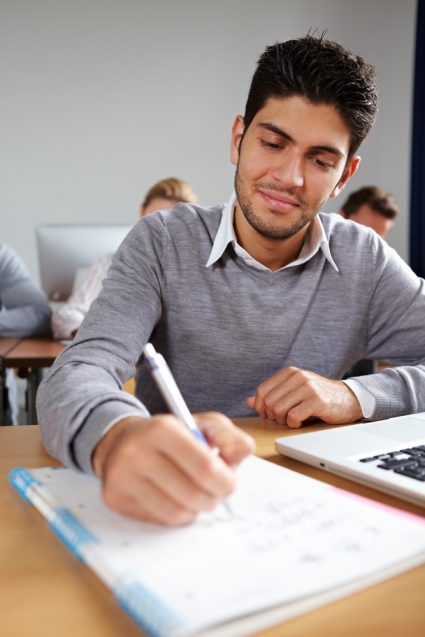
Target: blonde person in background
[
  {"x": 371, "y": 206},
  {"x": 165, "y": 194}
]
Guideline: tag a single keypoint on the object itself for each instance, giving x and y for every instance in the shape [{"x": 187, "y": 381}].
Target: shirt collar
[{"x": 315, "y": 240}]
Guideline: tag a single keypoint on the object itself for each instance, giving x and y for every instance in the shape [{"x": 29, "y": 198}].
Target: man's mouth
[{"x": 279, "y": 201}]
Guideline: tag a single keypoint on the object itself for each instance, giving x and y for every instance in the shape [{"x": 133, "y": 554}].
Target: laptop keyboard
[{"x": 407, "y": 462}]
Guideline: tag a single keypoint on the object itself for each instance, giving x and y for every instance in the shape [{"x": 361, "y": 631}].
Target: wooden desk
[
  {"x": 44, "y": 591},
  {"x": 33, "y": 353},
  {"x": 6, "y": 345},
  {"x": 29, "y": 356}
]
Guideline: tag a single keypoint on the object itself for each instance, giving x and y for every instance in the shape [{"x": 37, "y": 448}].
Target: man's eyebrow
[
  {"x": 328, "y": 149},
  {"x": 279, "y": 131},
  {"x": 275, "y": 129}
]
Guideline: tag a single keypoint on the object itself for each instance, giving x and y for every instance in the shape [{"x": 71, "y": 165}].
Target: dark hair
[
  {"x": 323, "y": 72},
  {"x": 373, "y": 196}
]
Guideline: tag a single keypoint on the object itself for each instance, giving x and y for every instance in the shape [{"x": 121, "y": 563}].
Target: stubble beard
[{"x": 275, "y": 231}]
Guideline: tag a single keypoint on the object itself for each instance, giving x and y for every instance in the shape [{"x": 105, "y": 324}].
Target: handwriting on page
[
  {"x": 288, "y": 537},
  {"x": 264, "y": 524},
  {"x": 265, "y": 517}
]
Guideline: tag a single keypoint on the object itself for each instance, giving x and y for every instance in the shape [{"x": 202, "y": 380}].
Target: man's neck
[{"x": 272, "y": 253}]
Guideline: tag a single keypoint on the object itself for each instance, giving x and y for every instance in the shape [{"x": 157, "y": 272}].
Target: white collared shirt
[{"x": 314, "y": 241}]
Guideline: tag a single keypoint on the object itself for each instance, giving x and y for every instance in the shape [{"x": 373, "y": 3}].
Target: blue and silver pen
[
  {"x": 166, "y": 384},
  {"x": 170, "y": 392}
]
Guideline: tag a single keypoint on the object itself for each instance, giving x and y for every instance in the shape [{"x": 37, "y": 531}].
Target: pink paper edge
[{"x": 379, "y": 505}]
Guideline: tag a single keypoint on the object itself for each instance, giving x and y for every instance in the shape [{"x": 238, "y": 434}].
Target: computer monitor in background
[{"x": 65, "y": 249}]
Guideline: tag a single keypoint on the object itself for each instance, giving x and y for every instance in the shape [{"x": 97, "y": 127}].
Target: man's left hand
[{"x": 293, "y": 395}]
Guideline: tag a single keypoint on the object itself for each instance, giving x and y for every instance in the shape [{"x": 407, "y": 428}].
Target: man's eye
[
  {"x": 269, "y": 144},
  {"x": 323, "y": 164}
]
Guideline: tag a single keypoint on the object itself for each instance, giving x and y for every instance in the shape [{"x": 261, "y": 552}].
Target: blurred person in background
[
  {"x": 66, "y": 320},
  {"x": 24, "y": 311},
  {"x": 373, "y": 207}
]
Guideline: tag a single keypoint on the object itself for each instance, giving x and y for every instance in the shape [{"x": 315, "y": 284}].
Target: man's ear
[
  {"x": 238, "y": 129},
  {"x": 349, "y": 171}
]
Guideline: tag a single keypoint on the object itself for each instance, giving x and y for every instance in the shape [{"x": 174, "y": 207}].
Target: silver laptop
[
  {"x": 388, "y": 455},
  {"x": 64, "y": 249}
]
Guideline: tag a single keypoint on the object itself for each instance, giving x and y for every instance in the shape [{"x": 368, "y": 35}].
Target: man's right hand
[{"x": 155, "y": 470}]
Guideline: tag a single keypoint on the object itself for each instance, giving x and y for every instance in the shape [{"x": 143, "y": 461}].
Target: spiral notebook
[{"x": 290, "y": 544}]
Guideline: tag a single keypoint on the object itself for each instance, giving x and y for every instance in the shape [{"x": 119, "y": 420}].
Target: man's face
[
  {"x": 292, "y": 158},
  {"x": 367, "y": 216}
]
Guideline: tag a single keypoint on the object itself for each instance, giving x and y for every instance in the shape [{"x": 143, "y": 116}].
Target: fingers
[
  {"x": 155, "y": 470},
  {"x": 192, "y": 458},
  {"x": 148, "y": 505},
  {"x": 296, "y": 416},
  {"x": 163, "y": 495},
  {"x": 293, "y": 395},
  {"x": 233, "y": 443},
  {"x": 272, "y": 392}
]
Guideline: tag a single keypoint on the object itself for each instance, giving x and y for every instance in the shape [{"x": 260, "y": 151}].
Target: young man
[
  {"x": 372, "y": 207},
  {"x": 259, "y": 306}
]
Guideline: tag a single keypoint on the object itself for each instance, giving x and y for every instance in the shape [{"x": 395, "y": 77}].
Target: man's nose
[{"x": 289, "y": 170}]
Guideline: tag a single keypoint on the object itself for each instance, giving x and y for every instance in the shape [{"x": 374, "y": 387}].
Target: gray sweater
[
  {"x": 226, "y": 328},
  {"x": 24, "y": 311}
]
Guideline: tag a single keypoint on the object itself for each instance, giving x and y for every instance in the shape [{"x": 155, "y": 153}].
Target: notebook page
[{"x": 289, "y": 537}]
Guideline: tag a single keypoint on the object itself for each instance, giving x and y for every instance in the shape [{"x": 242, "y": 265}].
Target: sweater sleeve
[
  {"x": 83, "y": 392},
  {"x": 24, "y": 308},
  {"x": 396, "y": 335}
]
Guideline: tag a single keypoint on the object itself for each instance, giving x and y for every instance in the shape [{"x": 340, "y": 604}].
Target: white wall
[{"x": 100, "y": 98}]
